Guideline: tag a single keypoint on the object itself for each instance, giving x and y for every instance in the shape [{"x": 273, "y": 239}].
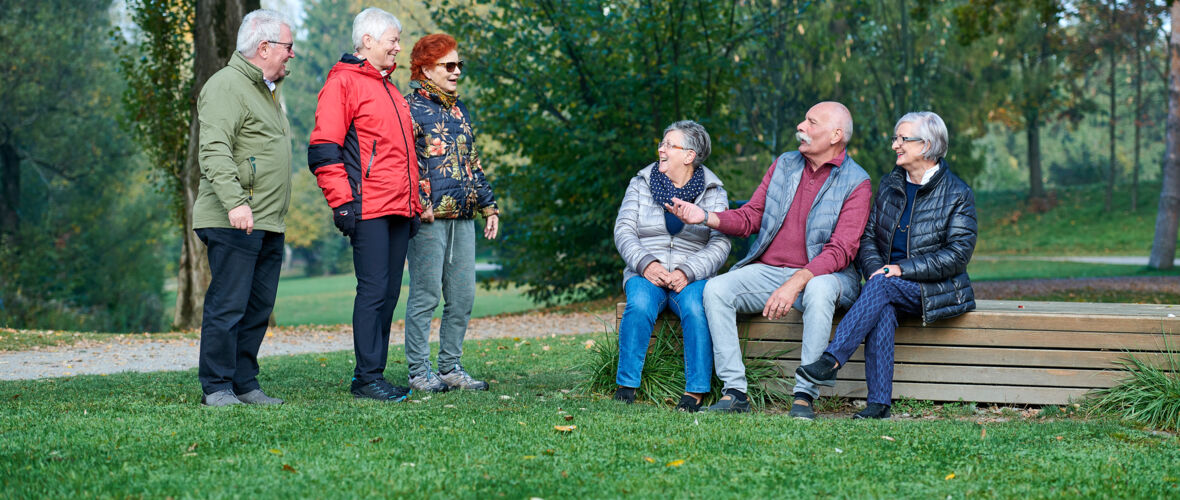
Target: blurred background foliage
[{"x": 569, "y": 99}]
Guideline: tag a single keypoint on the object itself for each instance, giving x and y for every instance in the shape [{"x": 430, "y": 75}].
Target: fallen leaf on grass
[
  {"x": 521, "y": 423},
  {"x": 887, "y": 438},
  {"x": 505, "y": 396},
  {"x": 649, "y": 460},
  {"x": 588, "y": 344},
  {"x": 950, "y": 476},
  {"x": 565, "y": 428},
  {"x": 544, "y": 348},
  {"x": 376, "y": 440},
  {"x": 569, "y": 418},
  {"x": 674, "y": 463},
  {"x": 192, "y": 447},
  {"x": 529, "y": 457},
  {"x": 276, "y": 451},
  {"x": 548, "y": 452},
  {"x": 1059, "y": 438},
  {"x": 838, "y": 450},
  {"x": 16, "y": 396},
  {"x": 983, "y": 433},
  {"x": 516, "y": 339},
  {"x": 290, "y": 469}
]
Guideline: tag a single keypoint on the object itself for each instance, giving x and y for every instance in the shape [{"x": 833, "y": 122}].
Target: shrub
[{"x": 1149, "y": 394}]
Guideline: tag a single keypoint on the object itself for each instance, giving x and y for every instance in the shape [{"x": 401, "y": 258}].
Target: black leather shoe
[
  {"x": 821, "y": 372},
  {"x": 625, "y": 394},
  {"x": 688, "y": 404},
  {"x": 733, "y": 401},
  {"x": 380, "y": 390},
  {"x": 873, "y": 410}
]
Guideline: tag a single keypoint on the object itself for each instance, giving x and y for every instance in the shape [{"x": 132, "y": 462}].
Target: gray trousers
[
  {"x": 746, "y": 290},
  {"x": 441, "y": 261}
]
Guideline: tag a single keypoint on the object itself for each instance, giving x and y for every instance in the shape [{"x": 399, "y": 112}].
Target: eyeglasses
[
  {"x": 901, "y": 138},
  {"x": 290, "y": 45},
  {"x": 451, "y": 66},
  {"x": 668, "y": 145}
]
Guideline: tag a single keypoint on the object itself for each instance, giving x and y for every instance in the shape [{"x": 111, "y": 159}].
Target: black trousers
[
  {"x": 241, "y": 295},
  {"x": 378, "y": 256}
]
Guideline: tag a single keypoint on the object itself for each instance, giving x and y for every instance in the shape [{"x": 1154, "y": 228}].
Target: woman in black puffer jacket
[{"x": 913, "y": 255}]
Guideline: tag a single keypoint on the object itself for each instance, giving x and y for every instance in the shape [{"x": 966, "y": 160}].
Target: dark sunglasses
[{"x": 451, "y": 66}]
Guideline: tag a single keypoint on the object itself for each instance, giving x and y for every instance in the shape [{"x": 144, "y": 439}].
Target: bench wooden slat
[
  {"x": 989, "y": 375},
  {"x": 1004, "y": 394},
  {"x": 991, "y": 338},
  {"x": 977, "y": 356}
]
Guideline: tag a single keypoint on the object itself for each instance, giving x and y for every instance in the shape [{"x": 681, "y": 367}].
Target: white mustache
[{"x": 802, "y": 137}]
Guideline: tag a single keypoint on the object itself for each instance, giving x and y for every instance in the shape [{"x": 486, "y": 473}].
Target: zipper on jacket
[
  {"x": 409, "y": 159},
  {"x": 253, "y": 172},
  {"x": 369, "y": 170}
]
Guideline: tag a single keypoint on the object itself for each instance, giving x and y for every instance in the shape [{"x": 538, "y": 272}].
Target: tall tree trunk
[
  {"x": 10, "y": 189},
  {"x": 1139, "y": 119},
  {"x": 1032, "y": 131},
  {"x": 1163, "y": 248},
  {"x": 1108, "y": 200},
  {"x": 214, "y": 38}
]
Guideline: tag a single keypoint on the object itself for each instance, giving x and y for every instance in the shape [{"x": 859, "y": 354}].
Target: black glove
[
  {"x": 344, "y": 216},
  {"x": 415, "y": 225}
]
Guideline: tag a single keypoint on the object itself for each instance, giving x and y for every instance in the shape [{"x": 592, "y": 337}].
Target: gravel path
[
  {"x": 130, "y": 353},
  {"x": 1004, "y": 289}
]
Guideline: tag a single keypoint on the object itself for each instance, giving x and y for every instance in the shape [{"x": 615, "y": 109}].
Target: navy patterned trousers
[{"x": 873, "y": 320}]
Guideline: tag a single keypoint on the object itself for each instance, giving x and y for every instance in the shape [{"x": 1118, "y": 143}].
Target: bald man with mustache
[{"x": 809, "y": 212}]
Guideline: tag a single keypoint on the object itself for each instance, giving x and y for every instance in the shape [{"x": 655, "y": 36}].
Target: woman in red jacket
[{"x": 362, "y": 154}]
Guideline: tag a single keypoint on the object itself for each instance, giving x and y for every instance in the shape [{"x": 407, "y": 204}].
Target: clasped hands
[{"x": 661, "y": 277}]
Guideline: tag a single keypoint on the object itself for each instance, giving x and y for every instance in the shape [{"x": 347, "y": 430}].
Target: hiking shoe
[
  {"x": 220, "y": 398},
  {"x": 873, "y": 410},
  {"x": 733, "y": 401},
  {"x": 688, "y": 404},
  {"x": 625, "y": 394},
  {"x": 458, "y": 378},
  {"x": 802, "y": 411},
  {"x": 257, "y": 397},
  {"x": 380, "y": 390},
  {"x": 821, "y": 372},
  {"x": 428, "y": 382}
]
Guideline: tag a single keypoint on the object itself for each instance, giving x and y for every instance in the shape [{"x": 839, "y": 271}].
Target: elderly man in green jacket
[{"x": 245, "y": 158}]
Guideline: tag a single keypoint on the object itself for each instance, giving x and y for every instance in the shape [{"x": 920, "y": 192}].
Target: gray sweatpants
[{"x": 442, "y": 261}]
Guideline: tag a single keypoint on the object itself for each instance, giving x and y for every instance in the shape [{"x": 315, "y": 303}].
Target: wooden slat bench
[{"x": 1003, "y": 352}]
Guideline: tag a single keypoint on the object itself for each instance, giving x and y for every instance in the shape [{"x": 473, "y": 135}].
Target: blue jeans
[
  {"x": 873, "y": 320},
  {"x": 645, "y": 301}
]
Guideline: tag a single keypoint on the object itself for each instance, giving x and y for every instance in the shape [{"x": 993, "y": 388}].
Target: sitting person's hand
[
  {"x": 687, "y": 212},
  {"x": 889, "y": 271},
  {"x": 656, "y": 274},
  {"x": 677, "y": 280}
]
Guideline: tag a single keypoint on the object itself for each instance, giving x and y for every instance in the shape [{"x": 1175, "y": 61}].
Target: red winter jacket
[{"x": 362, "y": 147}]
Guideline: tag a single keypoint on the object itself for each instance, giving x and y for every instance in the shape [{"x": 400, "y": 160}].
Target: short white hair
[
  {"x": 929, "y": 127},
  {"x": 259, "y": 26},
  {"x": 373, "y": 22}
]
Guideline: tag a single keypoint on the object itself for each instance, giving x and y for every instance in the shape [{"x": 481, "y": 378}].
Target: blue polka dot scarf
[{"x": 663, "y": 191}]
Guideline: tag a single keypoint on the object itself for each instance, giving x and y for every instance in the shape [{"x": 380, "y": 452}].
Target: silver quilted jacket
[{"x": 641, "y": 237}]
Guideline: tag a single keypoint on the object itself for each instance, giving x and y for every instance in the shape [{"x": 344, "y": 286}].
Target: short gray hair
[
  {"x": 373, "y": 22},
  {"x": 257, "y": 27},
  {"x": 695, "y": 138},
  {"x": 929, "y": 127}
]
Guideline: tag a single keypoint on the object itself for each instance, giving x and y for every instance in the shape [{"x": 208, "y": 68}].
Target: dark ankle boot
[{"x": 873, "y": 410}]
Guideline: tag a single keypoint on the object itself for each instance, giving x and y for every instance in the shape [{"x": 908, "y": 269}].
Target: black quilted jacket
[{"x": 943, "y": 230}]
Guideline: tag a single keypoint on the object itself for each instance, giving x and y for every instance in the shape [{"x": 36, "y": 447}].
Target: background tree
[{"x": 1163, "y": 248}]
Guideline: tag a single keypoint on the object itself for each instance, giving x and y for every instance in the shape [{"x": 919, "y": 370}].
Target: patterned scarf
[
  {"x": 662, "y": 190},
  {"x": 429, "y": 89}
]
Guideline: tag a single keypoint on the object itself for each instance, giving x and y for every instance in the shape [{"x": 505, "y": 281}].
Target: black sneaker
[
  {"x": 821, "y": 372},
  {"x": 874, "y": 411},
  {"x": 380, "y": 390},
  {"x": 733, "y": 401},
  {"x": 688, "y": 404},
  {"x": 802, "y": 411},
  {"x": 625, "y": 394}
]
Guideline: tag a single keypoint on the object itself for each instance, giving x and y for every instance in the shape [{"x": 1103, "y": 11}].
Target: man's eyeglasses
[
  {"x": 901, "y": 138},
  {"x": 290, "y": 45},
  {"x": 668, "y": 145},
  {"x": 451, "y": 66}
]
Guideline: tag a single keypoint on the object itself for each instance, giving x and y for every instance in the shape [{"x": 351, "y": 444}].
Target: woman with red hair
[{"x": 452, "y": 189}]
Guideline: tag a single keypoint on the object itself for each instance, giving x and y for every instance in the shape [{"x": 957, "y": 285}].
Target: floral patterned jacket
[{"x": 450, "y": 179}]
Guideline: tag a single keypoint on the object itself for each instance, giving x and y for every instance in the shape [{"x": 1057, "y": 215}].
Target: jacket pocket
[{"x": 247, "y": 173}]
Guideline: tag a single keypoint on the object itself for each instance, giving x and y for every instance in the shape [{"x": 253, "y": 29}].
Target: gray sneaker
[
  {"x": 220, "y": 398},
  {"x": 458, "y": 378},
  {"x": 428, "y": 382},
  {"x": 257, "y": 397}
]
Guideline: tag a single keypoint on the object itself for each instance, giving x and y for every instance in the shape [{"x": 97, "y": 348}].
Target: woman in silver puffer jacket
[{"x": 667, "y": 261}]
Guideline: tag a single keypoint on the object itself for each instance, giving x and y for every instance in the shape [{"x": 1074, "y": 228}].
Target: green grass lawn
[
  {"x": 143, "y": 435},
  {"x": 1078, "y": 225},
  {"x": 1002, "y": 270}
]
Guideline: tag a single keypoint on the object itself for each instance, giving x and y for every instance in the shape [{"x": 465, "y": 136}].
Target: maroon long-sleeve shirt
[{"x": 789, "y": 246}]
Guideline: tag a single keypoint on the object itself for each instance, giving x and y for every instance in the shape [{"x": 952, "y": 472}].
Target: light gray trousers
[
  {"x": 746, "y": 290},
  {"x": 441, "y": 261}
]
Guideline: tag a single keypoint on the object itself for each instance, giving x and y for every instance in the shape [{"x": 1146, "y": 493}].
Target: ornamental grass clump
[
  {"x": 663, "y": 371},
  {"x": 1149, "y": 395}
]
